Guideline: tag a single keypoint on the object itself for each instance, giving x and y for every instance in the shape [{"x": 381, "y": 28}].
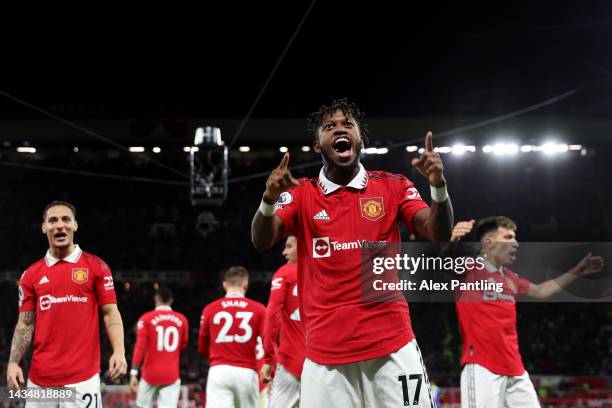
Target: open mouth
[
  {"x": 60, "y": 236},
  {"x": 343, "y": 147}
]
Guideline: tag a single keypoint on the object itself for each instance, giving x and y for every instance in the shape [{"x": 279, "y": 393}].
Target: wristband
[
  {"x": 134, "y": 372},
  {"x": 439, "y": 194},
  {"x": 267, "y": 210}
]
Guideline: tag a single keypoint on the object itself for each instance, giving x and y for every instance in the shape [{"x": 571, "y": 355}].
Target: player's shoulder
[
  {"x": 94, "y": 260},
  {"x": 385, "y": 176},
  {"x": 147, "y": 316},
  {"x": 259, "y": 306},
  {"x": 34, "y": 269},
  {"x": 511, "y": 274},
  {"x": 180, "y": 315},
  {"x": 284, "y": 270}
]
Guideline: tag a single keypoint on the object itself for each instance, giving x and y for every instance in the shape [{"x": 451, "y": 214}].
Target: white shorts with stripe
[
  {"x": 232, "y": 387},
  {"x": 480, "y": 388},
  {"x": 285, "y": 389},
  {"x": 167, "y": 395},
  {"x": 87, "y": 395},
  {"x": 396, "y": 380}
]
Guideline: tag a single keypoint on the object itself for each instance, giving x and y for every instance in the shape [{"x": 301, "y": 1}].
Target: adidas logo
[
  {"x": 321, "y": 215},
  {"x": 43, "y": 280}
]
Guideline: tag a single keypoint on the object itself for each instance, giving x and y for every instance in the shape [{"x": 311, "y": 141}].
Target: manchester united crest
[
  {"x": 372, "y": 208},
  {"x": 79, "y": 275}
]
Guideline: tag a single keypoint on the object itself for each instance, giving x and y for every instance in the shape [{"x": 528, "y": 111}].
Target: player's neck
[
  {"x": 341, "y": 175},
  {"x": 234, "y": 292},
  {"x": 492, "y": 261},
  {"x": 63, "y": 252}
]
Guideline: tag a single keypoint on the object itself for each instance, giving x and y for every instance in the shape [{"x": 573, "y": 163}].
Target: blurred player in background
[
  {"x": 161, "y": 336},
  {"x": 284, "y": 326},
  {"x": 358, "y": 353},
  {"x": 493, "y": 373},
  {"x": 230, "y": 336},
  {"x": 59, "y": 299}
]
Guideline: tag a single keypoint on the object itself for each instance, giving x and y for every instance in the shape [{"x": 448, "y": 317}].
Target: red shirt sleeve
[
  {"x": 287, "y": 208},
  {"x": 203, "y": 336},
  {"x": 142, "y": 338},
  {"x": 27, "y": 297},
  {"x": 410, "y": 202},
  {"x": 105, "y": 288},
  {"x": 276, "y": 303},
  {"x": 522, "y": 284},
  {"x": 185, "y": 338}
]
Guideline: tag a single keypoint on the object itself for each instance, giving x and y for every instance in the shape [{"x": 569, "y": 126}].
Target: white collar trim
[
  {"x": 72, "y": 258},
  {"x": 163, "y": 307},
  {"x": 492, "y": 269},
  {"x": 358, "y": 182},
  {"x": 234, "y": 295}
]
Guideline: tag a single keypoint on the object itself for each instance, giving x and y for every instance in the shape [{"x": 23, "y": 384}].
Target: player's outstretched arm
[
  {"x": 267, "y": 228},
  {"x": 587, "y": 266},
  {"x": 117, "y": 364},
  {"x": 19, "y": 347},
  {"x": 435, "y": 224}
]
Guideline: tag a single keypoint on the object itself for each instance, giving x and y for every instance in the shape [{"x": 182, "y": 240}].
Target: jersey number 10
[{"x": 167, "y": 338}]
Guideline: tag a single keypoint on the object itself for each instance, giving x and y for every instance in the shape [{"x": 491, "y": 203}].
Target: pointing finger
[
  {"x": 284, "y": 161},
  {"x": 429, "y": 142}
]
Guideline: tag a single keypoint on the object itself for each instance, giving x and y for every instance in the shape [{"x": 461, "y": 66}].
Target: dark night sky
[{"x": 394, "y": 60}]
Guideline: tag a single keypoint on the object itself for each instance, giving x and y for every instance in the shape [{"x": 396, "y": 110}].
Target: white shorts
[
  {"x": 167, "y": 395},
  {"x": 228, "y": 387},
  {"x": 396, "y": 380},
  {"x": 480, "y": 388},
  {"x": 285, "y": 389},
  {"x": 87, "y": 395}
]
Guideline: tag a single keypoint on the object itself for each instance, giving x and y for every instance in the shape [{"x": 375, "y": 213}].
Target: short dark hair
[
  {"x": 236, "y": 275},
  {"x": 56, "y": 203},
  {"x": 164, "y": 294},
  {"x": 489, "y": 224},
  {"x": 315, "y": 119}
]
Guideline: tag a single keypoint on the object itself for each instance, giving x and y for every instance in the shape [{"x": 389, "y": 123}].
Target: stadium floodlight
[
  {"x": 548, "y": 148},
  {"x": 305, "y": 148},
  {"x": 156, "y": 149},
  {"x": 75, "y": 149},
  {"x": 575, "y": 147},
  {"x": 562, "y": 148},
  {"x": 443, "y": 149},
  {"x": 208, "y": 162},
  {"x": 369, "y": 150},
  {"x": 487, "y": 149},
  {"x": 505, "y": 148},
  {"x": 136, "y": 149},
  {"x": 26, "y": 149},
  {"x": 458, "y": 149},
  {"x": 412, "y": 148},
  {"x": 527, "y": 148},
  {"x": 471, "y": 149},
  {"x": 421, "y": 150},
  {"x": 382, "y": 150},
  {"x": 244, "y": 149},
  {"x": 283, "y": 149}
]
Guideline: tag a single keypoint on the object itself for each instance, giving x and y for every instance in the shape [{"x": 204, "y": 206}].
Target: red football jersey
[
  {"x": 66, "y": 295},
  {"x": 231, "y": 330},
  {"x": 283, "y": 321},
  {"x": 331, "y": 223},
  {"x": 487, "y": 321},
  {"x": 161, "y": 336}
]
